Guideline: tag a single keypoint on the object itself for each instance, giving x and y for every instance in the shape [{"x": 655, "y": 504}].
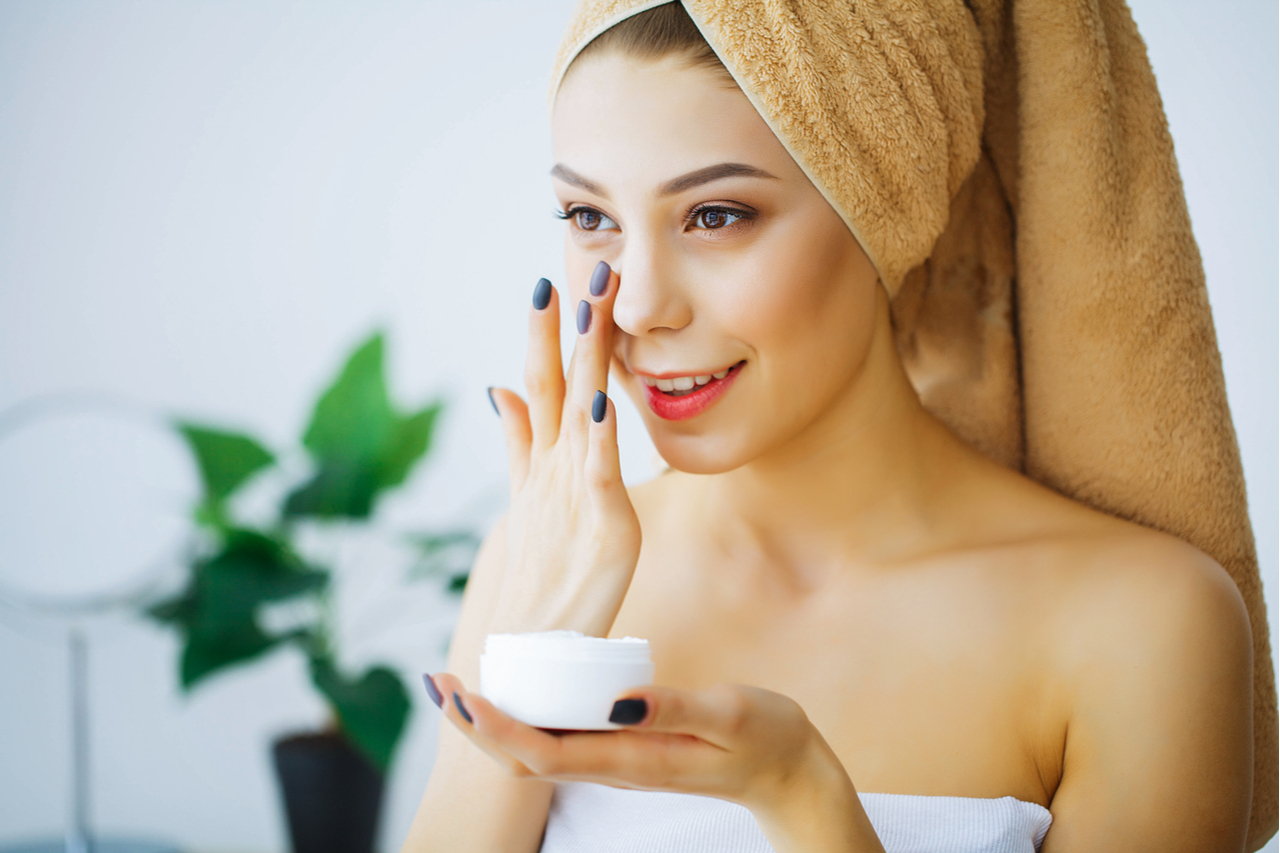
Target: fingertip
[
  {"x": 600, "y": 279},
  {"x": 542, "y": 294},
  {"x": 457, "y": 701},
  {"x": 629, "y": 712},
  {"x": 599, "y": 406},
  {"x": 432, "y": 691}
]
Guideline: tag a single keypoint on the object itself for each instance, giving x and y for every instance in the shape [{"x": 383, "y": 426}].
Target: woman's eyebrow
[
  {"x": 564, "y": 173},
  {"x": 712, "y": 173},
  {"x": 687, "y": 181}
]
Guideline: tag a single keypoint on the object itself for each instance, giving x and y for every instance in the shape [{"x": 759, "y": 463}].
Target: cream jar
[{"x": 562, "y": 679}]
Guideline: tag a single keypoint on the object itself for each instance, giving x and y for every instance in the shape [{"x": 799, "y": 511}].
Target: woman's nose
[{"x": 651, "y": 294}]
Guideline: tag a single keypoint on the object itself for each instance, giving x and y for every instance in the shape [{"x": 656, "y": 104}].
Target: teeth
[{"x": 684, "y": 383}]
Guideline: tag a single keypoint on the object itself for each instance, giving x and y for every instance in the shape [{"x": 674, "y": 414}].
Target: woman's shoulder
[{"x": 1109, "y": 584}]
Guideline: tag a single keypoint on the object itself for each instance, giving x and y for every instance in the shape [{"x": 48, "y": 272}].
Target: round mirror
[{"x": 94, "y": 502}]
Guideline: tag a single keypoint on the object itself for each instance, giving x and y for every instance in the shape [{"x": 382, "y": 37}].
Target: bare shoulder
[
  {"x": 1133, "y": 589},
  {"x": 1149, "y": 642},
  {"x": 1145, "y": 646},
  {"x": 1147, "y": 613},
  {"x": 1113, "y": 577}
]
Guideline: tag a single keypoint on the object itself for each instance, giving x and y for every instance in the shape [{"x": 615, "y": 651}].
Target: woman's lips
[{"x": 692, "y": 404}]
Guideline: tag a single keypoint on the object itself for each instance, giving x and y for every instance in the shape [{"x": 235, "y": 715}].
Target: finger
[
  {"x": 593, "y": 352},
  {"x": 460, "y": 711},
  {"x": 517, "y": 431},
  {"x": 544, "y": 370},
  {"x": 603, "y": 469},
  {"x": 623, "y": 758},
  {"x": 523, "y": 749},
  {"x": 640, "y": 760},
  {"x": 719, "y": 715}
]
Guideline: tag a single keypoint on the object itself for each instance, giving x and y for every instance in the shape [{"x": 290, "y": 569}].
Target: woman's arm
[
  {"x": 563, "y": 558},
  {"x": 453, "y": 816},
  {"x": 1159, "y": 741}
]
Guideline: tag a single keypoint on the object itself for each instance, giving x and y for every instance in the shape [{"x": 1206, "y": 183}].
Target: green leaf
[
  {"x": 209, "y": 650},
  {"x": 360, "y": 443},
  {"x": 372, "y": 711},
  {"x": 339, "y": 489},
  {"x": 250, "y": 571},
  {"x": 409, "y": 442},
  {"x": 179, "y": 609},
  {"x": 218, "y": 613},
  {"x": 353, "y": 419},
  {"x": 226, "y": 459}
]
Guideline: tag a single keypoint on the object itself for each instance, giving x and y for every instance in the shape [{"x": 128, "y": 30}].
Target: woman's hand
[
  {"x": 573, "y": 538},
  {"x": 743, "y": 744}
]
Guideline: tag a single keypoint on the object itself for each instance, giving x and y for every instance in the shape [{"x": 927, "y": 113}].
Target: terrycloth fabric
[
  {"x": 587, "y": 818},
  {"x": 1008, "y": 169}
]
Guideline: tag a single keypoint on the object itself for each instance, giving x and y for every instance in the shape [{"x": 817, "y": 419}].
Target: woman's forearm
[
  {"x": 472, "y": 805},
  {"x": 817, "y": 810}
]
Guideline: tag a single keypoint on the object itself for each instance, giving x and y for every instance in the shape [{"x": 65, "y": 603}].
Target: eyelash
[{"x": 691, "y": 217}]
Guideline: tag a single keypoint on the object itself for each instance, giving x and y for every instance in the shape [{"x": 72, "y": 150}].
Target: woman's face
[{"x": 729, "y": 260}]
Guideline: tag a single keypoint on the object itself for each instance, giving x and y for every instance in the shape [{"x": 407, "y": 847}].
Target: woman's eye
[
  {"x": 712, "y": 218},
  {"x": 592, "y": 220}
]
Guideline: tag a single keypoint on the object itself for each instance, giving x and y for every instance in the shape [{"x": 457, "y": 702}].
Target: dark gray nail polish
[
  {"x": 600, "y": 279},
  {"x": 461, "y": 710},
  {"x": 584, "y": 317},
  {"x": 628, "y": 712},
  {"x": 599, "y": 406},
  {"x": 492, "y": 402},
  {"x": 542, "y": 294},
  {"x": 432, "y": 690}
]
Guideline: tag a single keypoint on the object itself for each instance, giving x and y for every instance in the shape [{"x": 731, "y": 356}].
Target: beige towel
[{"x": 1009, "y": 171}]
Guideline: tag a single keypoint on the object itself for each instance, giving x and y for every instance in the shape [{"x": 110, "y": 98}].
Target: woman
[{"x": 868, "y": 635}]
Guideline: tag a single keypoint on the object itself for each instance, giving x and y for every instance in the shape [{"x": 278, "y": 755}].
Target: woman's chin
[
  {"x": 695, "y": 446},
  {"x": 703, "y": 454}
]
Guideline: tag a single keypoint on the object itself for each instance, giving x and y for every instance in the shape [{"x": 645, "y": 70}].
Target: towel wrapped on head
[{"x": 1008, "y": 169}]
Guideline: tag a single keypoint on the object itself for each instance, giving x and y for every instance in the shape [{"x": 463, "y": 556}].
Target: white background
[{"x": 204, "y": 205}]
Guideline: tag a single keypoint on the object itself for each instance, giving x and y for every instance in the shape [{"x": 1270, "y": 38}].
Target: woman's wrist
[{"x": 815, "y": 808}]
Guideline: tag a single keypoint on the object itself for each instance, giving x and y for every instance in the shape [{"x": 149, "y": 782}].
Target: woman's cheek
[{"x": 776, "y": 293}]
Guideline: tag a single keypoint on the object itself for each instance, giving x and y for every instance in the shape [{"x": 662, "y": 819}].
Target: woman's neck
[{"x": 862, "y": 483}]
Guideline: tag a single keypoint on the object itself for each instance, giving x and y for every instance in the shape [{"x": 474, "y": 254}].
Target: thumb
[{"x": 717, "y": 714}]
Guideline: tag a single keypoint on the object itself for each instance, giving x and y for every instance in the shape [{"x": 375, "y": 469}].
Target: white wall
[{"x": 203, "y": 205}]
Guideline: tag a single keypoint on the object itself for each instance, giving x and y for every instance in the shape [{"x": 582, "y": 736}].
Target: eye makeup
[{"x": 707, "y": 216}]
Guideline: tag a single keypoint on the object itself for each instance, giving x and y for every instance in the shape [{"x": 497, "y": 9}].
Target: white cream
[{"x": 562, "y": 679}]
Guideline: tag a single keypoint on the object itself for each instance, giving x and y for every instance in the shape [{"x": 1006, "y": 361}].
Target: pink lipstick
[{"x": 692, "y": 404}]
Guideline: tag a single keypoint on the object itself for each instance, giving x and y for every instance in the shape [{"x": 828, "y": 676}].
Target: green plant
[{"x": 361, "y": 446}]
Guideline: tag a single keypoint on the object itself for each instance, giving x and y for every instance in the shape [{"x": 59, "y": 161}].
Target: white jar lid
[{"x": 567, "y": 645}]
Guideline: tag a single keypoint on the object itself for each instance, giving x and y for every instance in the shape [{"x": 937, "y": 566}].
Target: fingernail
[
  {"x": 584, "y": 317},
  {"x": 628, "y": 712},
  {"x": 598, "y": 407},
  {"x": 493, "y": 403},
  {"x": 461, "y": 710},
  {"x": 542, "y": 294},
  {"x": 600, "y": 278},
  {"x": 432, "y": 690}
]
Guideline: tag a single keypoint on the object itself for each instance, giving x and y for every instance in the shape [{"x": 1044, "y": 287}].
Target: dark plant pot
[{"x": 332, "y": 794}]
